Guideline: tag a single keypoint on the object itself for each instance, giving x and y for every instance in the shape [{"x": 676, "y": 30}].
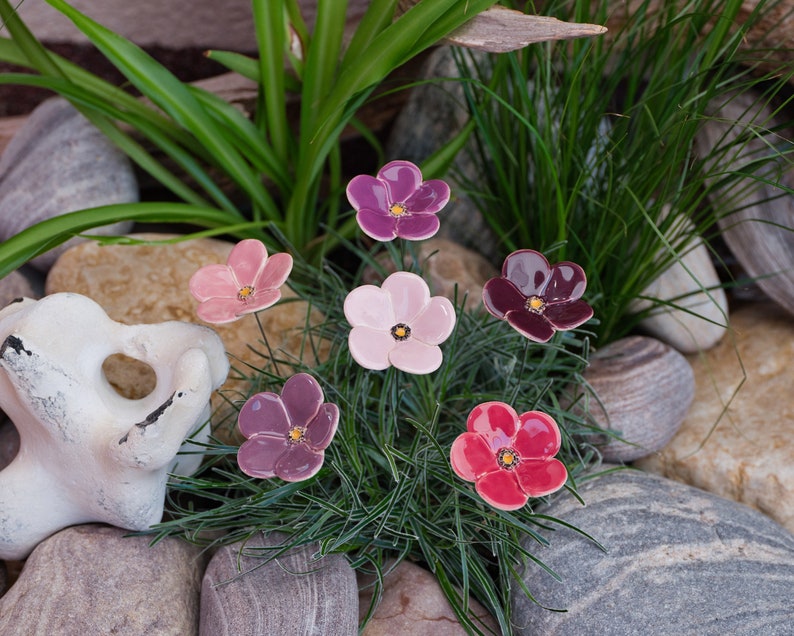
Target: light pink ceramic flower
[
  {"x": 248, "y": 282},
  {"x": 398, "y": 324}
]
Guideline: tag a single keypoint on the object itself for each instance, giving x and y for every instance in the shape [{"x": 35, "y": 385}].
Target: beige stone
[{"x": 738, "y": 439}]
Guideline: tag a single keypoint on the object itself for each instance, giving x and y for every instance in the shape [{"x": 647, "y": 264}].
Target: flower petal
[
  {"x": 377, "y": 225},
  {"x": 246, "y": 260},
  {"x": 275, "y": 272},
  {"x": 539, "y": 478},
  {"x": 258, "y": 456},
  {"x": 528, "y": 270},
  {"x": 409, "y": 295},
  {"x": 471, "y": 457},
  {"x": 302, "y": 397},
  {"x": 568, "y": 315},
  {"x": 500, "y": 489},
  {"x": 299, "y": 463},
  {"x": 417, "y": 227},
  {"x": 499, "y": 296},
  {"x": 263, "y": 413},
  {"x": 435, "y": 324},
  {"x": 370, "y": 347},
  {"x": 567, "y": 282},
  {"x": 402, "y": 179},
  {"x": 219, "y": 310},
  {"x": 431, "y": 196},
  {"x": 321, "y": 430},
  {"x": 257, "y": 302},
  {"x": 368, "y": 192},
  {"x": 370, "y": 306},
  {"x": 414, "y": 356},
  {"x": 532, "y": 325},
  {"x": 213, "y": 281},
  {"x": 538, "y": 436},
  {"x": 497, "y": 422}
]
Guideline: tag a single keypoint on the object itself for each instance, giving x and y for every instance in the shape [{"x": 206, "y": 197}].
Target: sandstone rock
[
  {"x": 291, "y": 594},
  {"x": 412, "y": 604},
  {"x": 25, "y": 282},
  {"x": 59, "y": 162},
  {"x": 92, "y": 579},
  {"x": 678, "y": 560},
  {"x": 9, "y": 441},
  {"x": 737, "y": 442}
]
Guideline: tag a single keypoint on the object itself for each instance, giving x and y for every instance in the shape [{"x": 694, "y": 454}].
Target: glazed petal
[
  {"x": 321, "y": 430},
  {"x": 370, "y": 347},
  {"x": 219, "y": 311},
  {"x": 500, "y": 296},
  {"x": 528, "y": 270},
  {"x": 497, "y": 422},
  {"x": 413, "y": 356},
  {"x": 301, "y": 397},
  {"x": 417, "y": 227},
  {"x": 263, "y": 413},
  {"x": 402, "y": 179},
  {"x": 500, "y": 489},
  {"x": 436, "y": 322},
  {"x": 538, "y": 436},
  {"x": 370, "y": 306},
  {"x": 299, "y": 463},
  {"x": 378, "y": 225},
  {"x": 260, "y": 300},
  {"x": 275, "y": 272},
  {"x": 409, "y": 295},
  {"x": 567, "y": 282},
  {"x": 367, "y": 192},
  {"x": 539, "y": 478},
  {"x": 568, "y": 315},
  {"x": 213, "y": 281},
  {"x": 246, "y": 260},
  {"x": 532, "y": 325},
  {"x": 258, "y": 456},
  {"x": 429, "y": 198},
  {"x": 471, "y": 457}
]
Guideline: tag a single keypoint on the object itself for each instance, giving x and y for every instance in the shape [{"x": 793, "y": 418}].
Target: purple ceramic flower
[
  {"x": 248, "y": 282},
  {"x": 287, "y": 434},
  {"x": 535, "y": 298},
  {"x": 397, "y": 202},
  {"x": 398, "y": 324}
]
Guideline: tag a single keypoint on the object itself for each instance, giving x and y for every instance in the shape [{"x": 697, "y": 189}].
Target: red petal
[
  {"x": 568, "y": 315},
  {"x": 538, "y": 436},
  {"x": 499, "y": 296},
  {"x": 531, "y": 325},
  {"x": 539, "y": 478},
  {"x": 500, "y": 489},
  {"x": 471, "y": 457},
  {"x": 567, "y": 282},
  {"x": 497, "y": 422}
]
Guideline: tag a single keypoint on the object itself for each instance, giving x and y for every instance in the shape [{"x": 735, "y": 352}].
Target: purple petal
[
  {"x": 429, "y": 198},
  {"x": 409, "y": 295},
  {"x": 413, "y": 356},
  {"x": 258, "y": 456},
  {"x": 299, "y": 463},
  {"x": 567, "y": 282},
  {"x": 321, "y": 430},
  {"x": 246, "y": 260},
  {"x": 377, "y": 225},
  {"x": 263, "y": 413},
  {"x": 368, "y": 192},
  {"x": 417, "y": 227},
  {"x": 370, "y": 348},
  {"x": 532, "y": 325},
  {"x": 528, "y": 270},
  {"x": 435, "y": 323},
  {"x": 500, "y": 296},
  {"x": 402, "y": 179},
  {"x": 568, "y": 315},
  {"x": 302, "y": 397}
]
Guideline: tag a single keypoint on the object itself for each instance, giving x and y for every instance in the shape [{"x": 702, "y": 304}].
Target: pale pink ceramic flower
[
  {"x": 398, "y": 324},
  {"x": 397, "y": 202},
  {"x": 248, "y": 282}
]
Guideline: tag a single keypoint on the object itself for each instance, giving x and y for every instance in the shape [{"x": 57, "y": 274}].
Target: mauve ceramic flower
[
  {"x": 509, "y": 457},
  {"x": 287, "y": 434},
  {"x": 397, "y": 202},
  {"x": 248, "y": 282},
  {"x": 398, "y": 324},
  {"x": 535, "y": 298}
]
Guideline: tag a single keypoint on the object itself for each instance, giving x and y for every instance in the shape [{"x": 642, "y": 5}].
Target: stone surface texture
[
  {"x": 93, "y": 580},
  {"x": 292, "y": 594},
  {"x": 25, "y": 282},
  {"x": 9, "y": 441},
  {"x": 679, "y": 561},
  {"x": 744, "y": 454}
]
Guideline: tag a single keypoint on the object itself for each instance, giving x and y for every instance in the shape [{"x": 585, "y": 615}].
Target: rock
[
  {"x": 3, "y": 578},
  {"x": 92, "y": 579},
  {"x": 736, "y": 440},
  {"x": 25, "y": 282},
  {"x": 678, "y": 560},
  {"x": 643, "y": 390},
  {"x": 413, "y": 604},
  {"x": 246, "y": 595},
  {"x": 59, "y": 162},
  {"x": 9, "y": 441}
]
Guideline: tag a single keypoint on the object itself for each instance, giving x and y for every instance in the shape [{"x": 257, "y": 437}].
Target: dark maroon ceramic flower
[
  {"x": 535, "y": 298},
  {"x": 397, "y": 202}
]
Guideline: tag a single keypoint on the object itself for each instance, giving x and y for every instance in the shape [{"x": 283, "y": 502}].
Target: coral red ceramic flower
[
  {"x": 286, "y": 435},
  {"x": 397, "y": 202},
  {"x": 535, "y": 298},
  {"x": 509, "y": 457},
  {"x": 398, "y": 324},
  {"x": 248, "y": 282}
]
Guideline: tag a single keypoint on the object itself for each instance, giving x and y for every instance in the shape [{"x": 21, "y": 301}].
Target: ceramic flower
[
  {"x": 398, "y": 324},
  {"x": 397, "y": 202},
  {"x": 509, "y": 457},
  {"x": 248, "y": 282},
  {"x": 535, "y": 298},
  {"x": 287, "y": 434}
]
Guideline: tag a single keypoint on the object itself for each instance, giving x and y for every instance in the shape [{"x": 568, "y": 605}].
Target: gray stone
[
  {"x": 248, "y": 595},
  {"x": 25, "y": 282},
  {"x": 58, "y": 162},
  {"x": 679, "y": 560},
  {"x": 92, "y": 579}
]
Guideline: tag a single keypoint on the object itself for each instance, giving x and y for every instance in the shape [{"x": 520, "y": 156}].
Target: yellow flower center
[
  {"x": 401, "y": 331},
  {"x": 245, "y": 293},
  {"x": 397, "y": 209},
  {"x": 296, "y": 434},
  {"x": 508, "y": 458},
  {"x": 535, "y": 304}
]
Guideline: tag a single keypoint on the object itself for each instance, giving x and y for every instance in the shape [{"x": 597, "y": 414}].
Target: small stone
[
  {"x": 59, "y": 162},
  {"x": 413, "y": 604},
  {"x": 9, "y": 441},
  {"x": 91, "y": 579},
  {"x": 736, "y": 440},
  {"x": 25, "y": 282},
  {"x": 678, "y": 560},
  {"x": 295, "y": 593}
]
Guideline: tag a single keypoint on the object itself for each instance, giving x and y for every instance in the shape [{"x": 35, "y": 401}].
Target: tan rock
[{"x": 736, "y": 440}]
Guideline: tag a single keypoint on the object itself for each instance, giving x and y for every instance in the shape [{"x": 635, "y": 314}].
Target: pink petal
[
  {"x": 500, "y": 296},
  {"x": 380, "y": 226},
  {"x": 417, "y": 227},
  {"x": 302, "y": 397},
  {"x": 321, "y": 430},
  {"x": 533, "y": 326},
  {"x": 500, "y": 489},
  {"x": 528, "y": 270},
  {"x": 409, "y": 295},
  {"x": 258, "y": 301},
  {"x": 567, "y": 282},
  {"x": 370, "y": 348},
  {"x": 275, "y": 272},
  {"x": 299, "y": 463},
  {"x": 430, "y": 197},
  {"x": 263, "y": 413},
  {"x": 402, "y": 179},
  {"x": 471, "y": 457},
  {"x": 246, "y": 260},
  {"x": 219, "y": 311},
  {"x": 258, "y": 456},
  {"x": 568, "y": 315},
  {"x": 369, "y": 306},
  {"x": 435, "y": 323},
  {"x": 539, "y": 478},
  {"x": 538, "y": 436},
  {"x": 213, "y": 281},
  {"x": 368, "y": 192},
  {"x": 497, "y": 422},
  {"x": 413, "y": 356}
]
